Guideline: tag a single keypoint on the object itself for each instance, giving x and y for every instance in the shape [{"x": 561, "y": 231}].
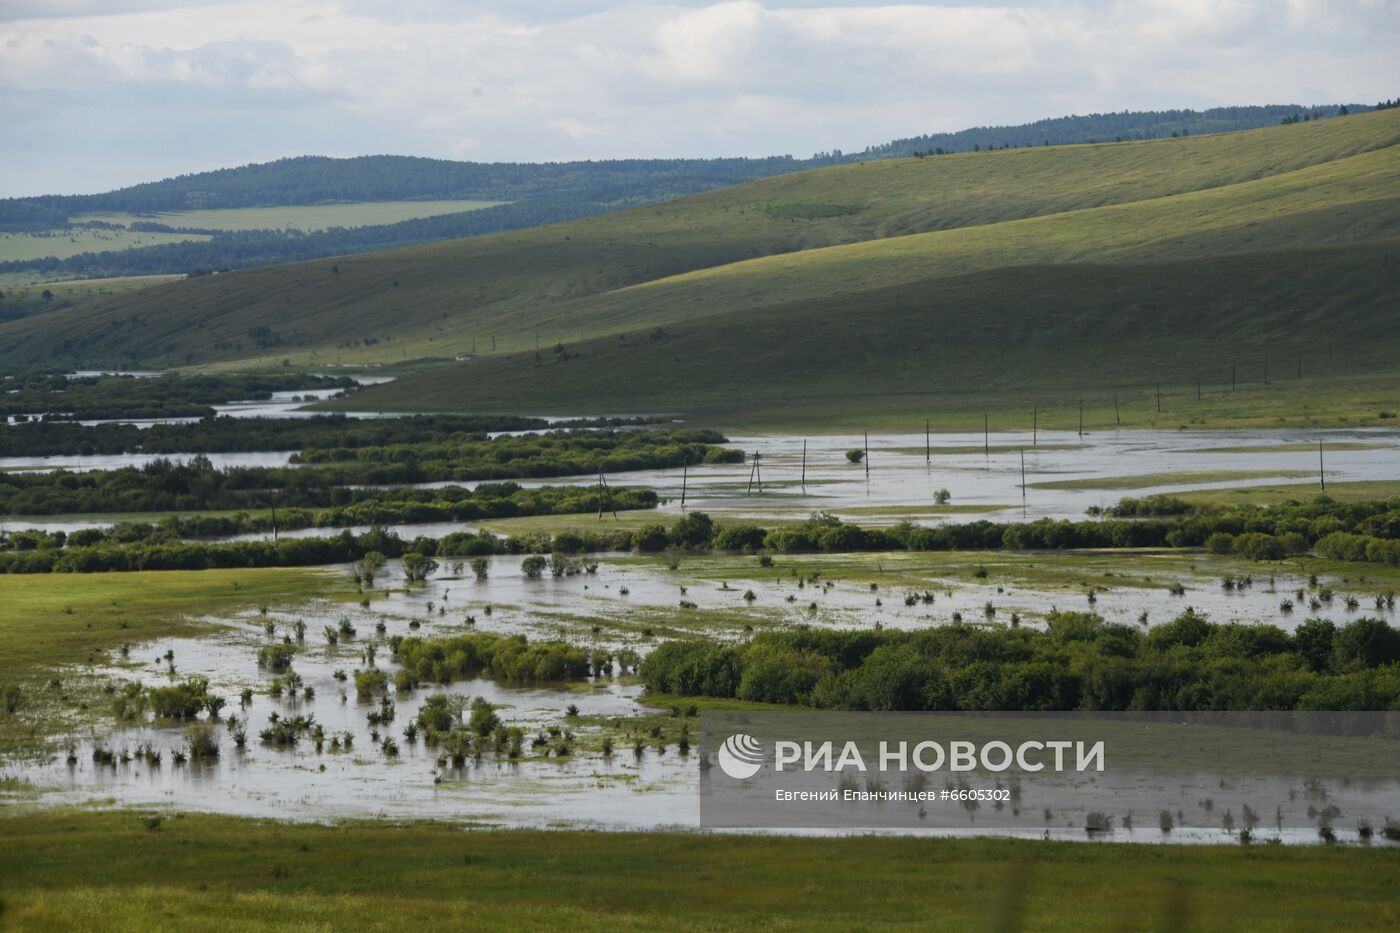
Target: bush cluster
[{"x": 1079, "y": 662}]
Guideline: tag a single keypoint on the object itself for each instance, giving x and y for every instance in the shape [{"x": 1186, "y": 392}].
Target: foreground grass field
[{"x": 67, "y": 870}]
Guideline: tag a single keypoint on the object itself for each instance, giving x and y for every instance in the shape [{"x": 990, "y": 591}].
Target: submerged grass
[
  {"x": 1149, "y": 480},
  {"x": 58, "y": 870},
  {"x": 1292, "y": 492}
]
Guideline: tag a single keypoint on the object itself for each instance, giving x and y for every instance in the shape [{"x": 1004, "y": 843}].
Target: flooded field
[
  {"x": 626, "y": 603},
  {"x": 365, "y": 765},
  {"x": 1065, "y": 475}
]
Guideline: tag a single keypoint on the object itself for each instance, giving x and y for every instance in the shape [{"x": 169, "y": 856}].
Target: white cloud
[{"x": 99, "y": 92}]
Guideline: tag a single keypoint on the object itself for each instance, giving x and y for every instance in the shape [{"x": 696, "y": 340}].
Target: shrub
[
  {"x": 202, "y": 742},
  {"x": 650, "y": 539},
  {"x": 276, "y": 658},
  {"x": 694, "y": 530},
  {"x": 368, "y": 683},
  {"x": 533, "y": 566},
  {"x": 1221, "y": 542},
  {"x": 180, "y": 701},
  {"x": 1256, "y": 546},
  {"x": 739, "y": 538},
  {"x": 1365, "y": 643},
  {"x": 417, "y": 567}
]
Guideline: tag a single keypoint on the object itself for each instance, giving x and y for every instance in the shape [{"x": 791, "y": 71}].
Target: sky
[{"x": 95, "y": 94}]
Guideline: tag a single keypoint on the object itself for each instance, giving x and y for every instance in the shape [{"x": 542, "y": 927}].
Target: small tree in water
[{"x": 417, "y": 568}]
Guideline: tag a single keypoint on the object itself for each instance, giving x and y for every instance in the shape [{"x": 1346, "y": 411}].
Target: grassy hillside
[
  {"x": 843, "y": 259},
  {"x": 951, "y": 348},
  {"x": 21, "y": 298}
]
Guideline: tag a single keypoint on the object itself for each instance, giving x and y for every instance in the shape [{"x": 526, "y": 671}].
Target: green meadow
[
  {"x": 128, "y": 870},
  {"x": 50, "y": 622},
  {"x": 71, "y": 241},
  {"x": 306, "y": 217}
]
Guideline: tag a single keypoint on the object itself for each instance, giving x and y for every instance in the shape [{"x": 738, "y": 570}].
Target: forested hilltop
[{"x": 535, "y": 194}]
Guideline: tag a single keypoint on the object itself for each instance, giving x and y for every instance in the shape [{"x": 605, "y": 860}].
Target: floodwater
[
  {"x": 989, "y": 486},
  {"x": 657, "y": 789},
  {"x": 627, "y": 598}
]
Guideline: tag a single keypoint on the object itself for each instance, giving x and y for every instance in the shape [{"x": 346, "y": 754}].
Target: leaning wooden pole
[
  {"x": 1081, "y": 416},
  {"x": 804, "y": 464},
  {"x": 685, "y": 474},
  {"x": 1321, "y": 474},
  {"x": 928, "y": 448},
  {"x": 866, "y": 454},
  {"x": 1116, "y": 419}
]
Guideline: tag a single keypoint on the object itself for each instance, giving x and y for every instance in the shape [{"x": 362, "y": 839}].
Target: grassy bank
[
  {"x": 62, "y": 869},
  {"x": 47, "y": 624}
]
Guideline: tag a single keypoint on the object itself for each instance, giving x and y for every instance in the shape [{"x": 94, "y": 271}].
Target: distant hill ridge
[
  {"x": 310, "y": 180},
  {"x": 933, "y": 264}
]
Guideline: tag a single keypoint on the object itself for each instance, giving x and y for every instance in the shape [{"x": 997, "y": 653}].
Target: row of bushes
[
  {"x": 508, "y": 657},
  {"x": 46, "y": 438},
  {"x": 386, "y": 507},
  {"x": 169, "y": 395},
  {"x": 1079, "y": 662},
  {"x": 696, "y": 531},
  {"x": 167, "y": 486}
]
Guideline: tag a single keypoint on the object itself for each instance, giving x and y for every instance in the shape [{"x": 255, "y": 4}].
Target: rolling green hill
[
  {"x": 1052, "y": 263},
  {"x": 1321, "y": 319}
]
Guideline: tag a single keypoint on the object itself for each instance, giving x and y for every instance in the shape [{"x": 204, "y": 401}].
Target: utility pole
[
  {"x": 1321, "y": 474},
  {"x": 866, "y": 458},
  {"x": 928, "y": 450},
  {"x": 1023, "y": 480},
  {"x": 1081, "y": 417},
  {"x": 1116, "y": 420},
  {"x": 804, "y": 464},
  {"x": 685, "y": 474}
]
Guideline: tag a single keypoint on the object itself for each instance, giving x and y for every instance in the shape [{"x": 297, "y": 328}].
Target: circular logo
[{"x": 740, "y": 756}]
